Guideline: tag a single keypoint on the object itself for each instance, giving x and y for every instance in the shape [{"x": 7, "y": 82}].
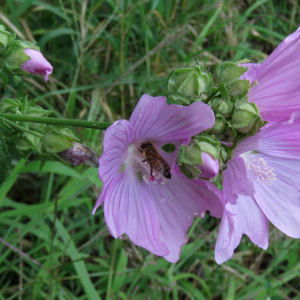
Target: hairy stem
[{"x": 57, "y": 121}]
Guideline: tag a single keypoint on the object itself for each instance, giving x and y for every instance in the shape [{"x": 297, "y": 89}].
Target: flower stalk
[{"x": 57, "y": 121}]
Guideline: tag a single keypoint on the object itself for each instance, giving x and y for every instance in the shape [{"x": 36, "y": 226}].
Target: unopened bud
[
  {"x": 246, "y": 118},
  {"x": 79, "y": 154},
  {"x": 189, "y": 83},
  {"x": 37, "y": 64},
  {"x": 200, "y": 158},
  {"x": 221, "y": 106},
  {"x": 220, "y": 126},
  {"x": 210, "y": 167},
  {"x": 21, "y": 58}
]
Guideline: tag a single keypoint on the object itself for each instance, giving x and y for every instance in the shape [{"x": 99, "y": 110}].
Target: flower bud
[
  {"x": 222, "y": 106},
  {"x": 200, "y": 158},
  {"x": 37, "y": 64},
  {"x": 21, "y": 58},
  {"x": 210, "y": 166},
  {"x": 79, "y": 154},
  {"x": 57, "y": 140},
  {"x": 246, "y": 118},
  {"x": 188, "y": 83},
  {"x": 220, "y": 126}
]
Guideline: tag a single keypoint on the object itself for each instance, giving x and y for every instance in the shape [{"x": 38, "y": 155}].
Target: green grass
[{"x": 105, "y": 55}]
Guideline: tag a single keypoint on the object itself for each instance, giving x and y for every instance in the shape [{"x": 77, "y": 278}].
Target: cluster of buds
[
  {"x": 235, "y": 118},
  {"x": 20, "y": 57}
]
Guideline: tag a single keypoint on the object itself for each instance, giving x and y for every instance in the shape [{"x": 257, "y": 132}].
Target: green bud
[
  {"x": 220, "y": 126},
  {"x": 221, "y": 106},
  {"x": 57, "y": 140},
  {"x": 189, "y": 82},
  {"x": 246, "y": 118},
  {"x": 5, "y": 38},
  {"x": 209, "y": 145}
]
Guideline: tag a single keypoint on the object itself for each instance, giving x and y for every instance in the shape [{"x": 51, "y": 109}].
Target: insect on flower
[{"x": 155, "y": 160}]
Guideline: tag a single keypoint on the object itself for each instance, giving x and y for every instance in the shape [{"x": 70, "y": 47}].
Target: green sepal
[
  {"x": 56, "y": 139},
  {"x": 239, "y": 88},
  {"x": 246, "y": 118},
  {"x": 228, "y": 72},
  {"x": 190, "y": 155},
  {"x": 180, "y": 99},
  {"x": 190, "y": 171},
  {"x": 209, "y": 145},
  {"x": 5, "y": 38},
  {"x": 14, "y": 56}
]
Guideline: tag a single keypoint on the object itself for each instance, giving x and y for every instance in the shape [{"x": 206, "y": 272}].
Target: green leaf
[
  {"x": 168, "y": 148},
  {"x": 5, "y": 159}
]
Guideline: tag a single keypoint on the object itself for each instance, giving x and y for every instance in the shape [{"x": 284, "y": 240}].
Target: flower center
[
  {"x": 144, "y": 167},
  {"x": 261, "y": 171}
]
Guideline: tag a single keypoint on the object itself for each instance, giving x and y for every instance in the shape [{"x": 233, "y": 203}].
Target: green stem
[
  {"x": 21, "y": 128},
  {"x": 57, "y": 121}
]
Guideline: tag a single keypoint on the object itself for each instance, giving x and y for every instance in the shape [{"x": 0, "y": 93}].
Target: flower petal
[
  {"x": 128, "y": 208},
  {"x": 154, "y": 119},
  {"x": 236, "y": 180},
  {"x": 117, "y": 138},
  {"x": 281, "y": 201},
  {"x": 277, "y": 92},
  {"x": 281, "y": 140},
  {"x": 245, "y": 217},
  {"x": 252, "y": 73},
  {"x": 178, "y": 201},
  {"x": 248, "y": 144}
]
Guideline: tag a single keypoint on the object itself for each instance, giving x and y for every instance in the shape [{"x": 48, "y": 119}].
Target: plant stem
[
  {"x": 57, "y": 121},
  {"x": 21, "y": 127}
]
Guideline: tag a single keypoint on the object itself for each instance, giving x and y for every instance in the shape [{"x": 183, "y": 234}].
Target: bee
[{"x": 155, "y": 160}]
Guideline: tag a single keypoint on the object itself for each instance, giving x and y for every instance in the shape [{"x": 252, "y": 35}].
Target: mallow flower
[
  {"x": 276, "y": 87},
  {"x": 261, "y": 184},
  {"x": 37, "y": 64},
  {"x": 154, "y": 210}
]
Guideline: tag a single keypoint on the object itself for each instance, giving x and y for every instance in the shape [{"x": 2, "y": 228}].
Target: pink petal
[
  {"x": 248, "y": 144},
  {"x": 128, "y": 208},
  {"x": 117, "y": 138},
  {"x": 281, "y": 140},
  {"x": 243, "y": 218},
  {"x": 37, "y": 64},
  {"x": 153, "y": 119},
  {"x": 210, "y": 167},
  {"x": 236, "y": 180},
  {"x": 281, "y": 201},
  {"x": 278, "y": 89},
  {"x": 252, "y": 73},
  {"x": 177, "y": 202}
]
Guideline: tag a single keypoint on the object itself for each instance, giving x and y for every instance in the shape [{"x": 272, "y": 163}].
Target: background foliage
[{"x": 105, "y": 55}]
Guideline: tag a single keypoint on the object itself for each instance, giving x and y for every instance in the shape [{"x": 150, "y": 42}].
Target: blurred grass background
[{"x": 105, "y": 55}]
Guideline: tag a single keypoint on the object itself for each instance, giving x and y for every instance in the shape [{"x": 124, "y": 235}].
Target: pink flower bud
[
  {"x": 210, "y": 167},
  {"x": 37, "y": 64},
  {"x": 80, "y": 154}
]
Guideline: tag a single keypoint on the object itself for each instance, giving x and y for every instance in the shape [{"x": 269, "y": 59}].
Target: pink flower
[
  {"x": 37, "y": 64},
  {"x": 277, "y": 94},
  {"x": 261, "y": 183},
  {"x": 154, "y": 211}
]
